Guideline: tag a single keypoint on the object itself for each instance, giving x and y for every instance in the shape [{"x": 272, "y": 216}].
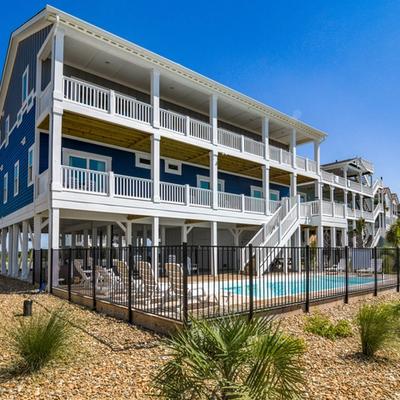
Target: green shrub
[
  {"x": 40, "y": 339},
  {"x": 378, "y": 324},
  {"x": 321, "y": 325},
  {"x": 231, "y": 358}
]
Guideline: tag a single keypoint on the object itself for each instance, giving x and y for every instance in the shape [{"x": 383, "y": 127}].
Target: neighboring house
[{"x": 102, "y": 140}]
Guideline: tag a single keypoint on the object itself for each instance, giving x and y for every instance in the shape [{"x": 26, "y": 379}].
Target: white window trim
[
  {"x": 16, "y": 181},
  {"x": 168, "y": 161},
  {"x": 25, "y": 74},
  {"x": 146, "y": 156},
  {"x": 31, "y": 149},
  {"x": 277, "y": 192},
  {"x": 66, "y": 153},
  {"x": 256, "y": 188},
  {"x": 200, "y": 178},
  {"x": 5, "y": 188}
]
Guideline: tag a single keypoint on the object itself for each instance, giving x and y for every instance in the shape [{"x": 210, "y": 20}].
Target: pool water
[{"x": 266, "y": 288}]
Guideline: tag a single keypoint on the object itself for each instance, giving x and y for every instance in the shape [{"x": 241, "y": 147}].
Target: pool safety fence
[{"x": 185, "y": 282}]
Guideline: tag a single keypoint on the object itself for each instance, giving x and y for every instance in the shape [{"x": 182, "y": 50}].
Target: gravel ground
[{"x": 108, "y": 359}]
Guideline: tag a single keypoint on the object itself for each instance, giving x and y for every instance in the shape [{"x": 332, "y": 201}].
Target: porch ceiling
[{"x": 280, "y": 176}]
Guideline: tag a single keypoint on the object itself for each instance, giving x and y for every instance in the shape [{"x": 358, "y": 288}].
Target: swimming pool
[{"x": 266, "y": 287}]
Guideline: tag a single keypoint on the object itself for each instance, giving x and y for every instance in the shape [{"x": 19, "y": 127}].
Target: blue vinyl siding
[
  {"x": 123, "y": 163},
  {"x": 9, "y": 155}
]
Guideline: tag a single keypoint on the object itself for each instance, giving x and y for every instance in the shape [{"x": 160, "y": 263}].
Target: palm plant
[
  {"x": 393, "y": 234},
  {"x": 232, "y": 359},
  {"x": 359, "y": 231}
]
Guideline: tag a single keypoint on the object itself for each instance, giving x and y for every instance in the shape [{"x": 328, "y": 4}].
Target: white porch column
[
  {"x": 265, "y": 186},
  {"x": 307, "y": 236},
  {"x": 332, "y": 193},
  {"x": 214, "y": 178},
  {"x": 320, "y": 236},
  {"x": 144, "y": 235},
  {"x": 354, "y": 235},
  {"x": 4, "y": 251},
  {"x": 10, "y": 245},
  {"x": 214, "y": 249},
  {"x": 15, "y": 243},
  {"x": 362, "y": 205},
  {"x": 155, "y": 237},
  {"x": 265, "y": 136},
  {"x": 293, "y": 185},
  {"x": 129, "y": 240},
  {"x": 163, "y": 235},
  {"x": 293, "y": 140},
  {"x": 214, "y": 118},
  {"x": 108, "y": 236},
  {"x": 73, "y": 240},
  {"x": 345, "y": 237},
  {"x": 184, "y": 235},
  {"x": 54, "y": 244},
  {"x": 155, "y": 96},
  {"x": 317, "y": 154},
  {"x": 155, "y": 167},
  {"x": 353, "y": 200},
  {"x": 333, "y": 236},
  {"x": 24, "y": 250},
  {"x": 94, "y": 236},
  {"x": 86, "y": 238}
]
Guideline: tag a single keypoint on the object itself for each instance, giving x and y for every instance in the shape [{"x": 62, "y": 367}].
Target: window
[
  {"x": 16, "y": 178},
  {"x": 80, "y": 159},
  {"x": 30, "y": 166},
  {"x": 257, "y": 192},
  {"x": 5, "y": 188},
  {"x": 274, "y": 195},
  {"x": 25, "y": 84},
  {"x": 203, "y": 182},
  {"x": 143, "y": 160},
  {"x": 173, "y": 167}
]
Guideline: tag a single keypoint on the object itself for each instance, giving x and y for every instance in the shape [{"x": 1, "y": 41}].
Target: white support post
[
  {"x": 129, "y": 240},
  {"x": 307, "y": 236},
  {"x": 317, "y": 155},
  {"x": 73, "y": 240},
  {"x": 10, "y": 246},
  {"x": 354, "y": 235},
  {"x": 144, "y": 235},
  {"x": 293, "y": 140},
  {"x": 293, "y": 185},
  {"x": 108, "y": 236},
  {"x": 24, "y": 250},
  {"x": 345, "y": 199},
  {"x": 155, "y": 242},
  {"x": 320, "y": 236},
  {"x": 214, "y": 249},
  {"x": 58, "y": 64},
  {"x": 155, "y": 96},
  {"x": 14, "y": 247},
  {"x": 184, "y": 234},
  {"x": 94, "y": 235},
  {"x": 54, "y": 244},
  {"x": 86, "y": 238},
  {"x": 4, "y": 251},
  {"x": 345, "y": 237},
  {"x": 265, "y": 136},
  {"x": 265, "y": 186},
  {"x": 155, "y": 167},
  {"x": 214, "y": 178},
  {"x": 362, "y": 205},
  {"x": 353, "y": 200},
  {"x": 214, "y": 118},
  {"x": 163, "y": 235},
  {"x": 333, "y": 236}
]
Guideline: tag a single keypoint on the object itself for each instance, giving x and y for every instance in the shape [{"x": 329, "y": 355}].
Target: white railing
[
  {"x": 312, "y": 166},
  {"x": 254, "y": 205},
  {"x": 274, "y": 153},
  {"x": 173, "y": 121},
  {"x": 315, "y": 208},
  {"x": 200, "y": 197},
  {"x": 273, "y": 206},
  {"x": 354, "y": 185},
  {"x": 368, "y": 215},
  {"x": 301, "y": 162},
  {"x": 229, "y": 139},
  {"x": 253, "y": 147},
  {"x": 286, "y": 157},
  {"x": 129, "y": 107},
  {"x": 84, "y": 180},
  {"x": 136, "y": 188},
  {"x": 229, "y": 201},
  {"x": 327, "y": 208},
  {"x": 200, "y": 130},
  {"x": 87, "y": 94},
  {"x": 45, "y": 99},
  {"x": 327, "y": 176},
  {"x": 339, "y": 210},
  {"x": 172, "y": 193},
  {"x": 42, "y": 182}
]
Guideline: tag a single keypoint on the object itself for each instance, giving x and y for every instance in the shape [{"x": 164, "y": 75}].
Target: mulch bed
[{"x": 108, "y": 359}]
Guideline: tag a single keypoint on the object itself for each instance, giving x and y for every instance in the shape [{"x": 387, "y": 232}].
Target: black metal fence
[{"x": 184, "y": 282}]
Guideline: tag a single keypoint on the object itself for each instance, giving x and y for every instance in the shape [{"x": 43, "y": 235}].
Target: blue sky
[{"x": 335, "y": 64}]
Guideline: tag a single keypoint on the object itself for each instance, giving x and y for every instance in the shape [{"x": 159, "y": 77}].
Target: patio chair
[
  {"x": 336, "y": 268},
  {"x": 85, "y": 274},
  {"x": 371, "y": 269},
  {"x": 148, "y": 287}
]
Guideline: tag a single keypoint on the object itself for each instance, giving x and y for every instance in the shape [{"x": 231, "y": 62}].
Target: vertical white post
[
  {"x": 317, "y": 155},
  {"x": 155, "y": 96},
  {"x": 362, "y": 205},
  {"x": 144, "y": 235},
  {"x": 307, "y": 236},
  {"x": 265, "y": 136},
  {"x": 214, "y": 118},
  {"x": 163, "y": 235},
  {"x": 10, "y": 246},
  {"x": 345, "y": 236},
  {"x": 345, "y": 198},
  {"x": 353, "y": 200},
  {"x": 184, "y": 235},
  {"x": 293, "y": 150},
  {"x": 94, "y": 235},
  {"x": 108, "y": 236},
  {"x": 4, "y": 251},
  {"x": 155, "y": 242},
  {"x": 320, "y": 235},
  {"x": 333, "y": 236},
  {"x": 265, "y": 186},
  {"x": 293, "y": 185},
  {"x": 86, "y": 238},
  {"x": 15, "y": 243},
  {"x": 54, "y": 243},
  {"x": 24, "y": 250},
  {"x": 155, "y": 167},
  {"x": 214, "y": 178},
  {"x": 214, "y": 251},
  {"x": 129, "y": 228},
  {"x": 354, "y": 235}
]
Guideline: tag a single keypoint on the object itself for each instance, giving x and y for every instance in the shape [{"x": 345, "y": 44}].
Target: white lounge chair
[
  {"x": 371, "y": 269},
  {"x": 336, "y": 268}
]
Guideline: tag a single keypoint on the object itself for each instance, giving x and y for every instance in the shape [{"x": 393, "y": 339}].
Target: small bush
[
  {"x": 378, "y": 325},
  {"x": 40, "y": 339},
  {"x": 321, "y": 325}
]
